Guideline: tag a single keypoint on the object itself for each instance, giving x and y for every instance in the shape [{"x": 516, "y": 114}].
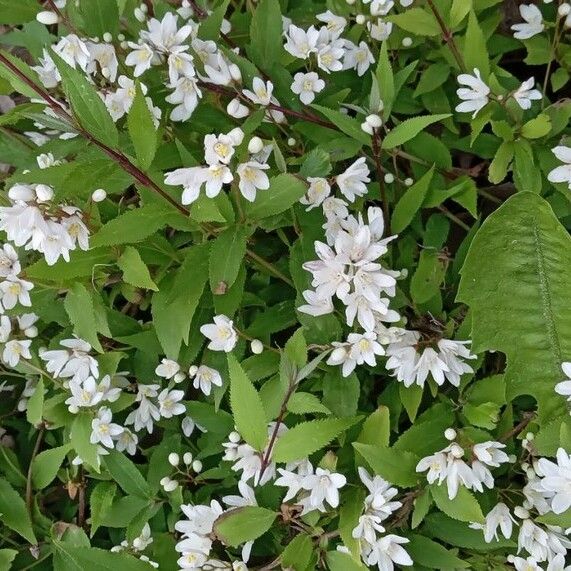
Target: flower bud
[
  {"x": 530, "y": 436},
  {"x": 98, "y": 195},
  {"x": 31, "y": 332},
  {"x": 374, "y": 121},
  {"x": 408, "y": 181},
  {"x": 179, "y": 377},
  {"x": 139, "y": 14},
  {"x": 367, "y": 128},
  {"x": 197, "y": 466},
  {"x": 192, "y": 370},
  {"x": 360, "y": 19},
  {"x": 236, "y": 135},
  {"x": 520, "y": 512},
  {"x": 187, "y": 458},
  {"x": 389, "y": 178},
  {"x": 234, "y": 437},
  {"x": 107, "y": 37},
  {"x": 121, "y": 37},
  {"x": 291, "y": 142},
  {"x": 257, "y": 346},
  {"x": 255, "y": 145},
  {"x": 168, "y": 484},
  {"x": 236, "y": 109},
  {"x": 407, "y": 42},
  {"x": 174, "y": 459},
  {"x": 456, "y": 450},
  {"x": 44, "y": 192},
  {"x": 47, "y": 17},
  {"x": 235, "y": 72},
  {"x": 450, "y": 434},
  {"x": 564, "y": 9}
]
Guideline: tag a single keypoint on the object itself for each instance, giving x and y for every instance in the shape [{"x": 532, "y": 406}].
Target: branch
[{"x": 447, "y": 36}]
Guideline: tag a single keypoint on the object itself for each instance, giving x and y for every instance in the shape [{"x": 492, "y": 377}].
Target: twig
[
  {"x": 527, "y": 418},
  {"x": 29, "y": 489},
  {"x": 447, "y": 35},
  {"x": 269, "y": 266}
]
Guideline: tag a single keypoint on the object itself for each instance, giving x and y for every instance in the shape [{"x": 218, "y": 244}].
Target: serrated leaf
[
  {"x": 18, "y": 12},
  {"x": 99, "y": 502},
  {"x": 418, "y": 21},
  {"x": 537, "y": 127},
  {"x": 347, "y": 124},
  {"x": 80, "y": 434},
  {"x": 79, "y": 306},
  {"x": 410, "y": 202},
  {"x": 285, "y": 190},
  {"x": 297, "y": 553},
  {"x": 376, "y": 428},
  {"x": 226, "y": 258},
  {"x": 135, "y": 272},
  {"x": 409, "y": 128},
  {"x": 209, "y": 28},
  {"x": 426, "y": 552},
  {"x": 88, "y": 108},
  {"x": 247, "y": 409},
  {"x": 396, "y": 466},
  {"x": 317, "y": 163},
  {"x": 463, "y": 507},
  {"x": 127, "y": 475},
  {"x": 243, "y": 524},
  {"x": 339, "y": 561},
  {"x": 306, "y": 403},
  {"x": 266, "y": 34},
  {"x": 100, "y": 16},
  {"x": 142, "y": 129},
  {"x": 46, "y": 465},
  {"x": 308, "y": 437},
  {"x": 386, "y": 80},
  {"x": 13, "y": 512},
  {"x": 515, "y": 280},
  {"x": 95, "y": 559}
]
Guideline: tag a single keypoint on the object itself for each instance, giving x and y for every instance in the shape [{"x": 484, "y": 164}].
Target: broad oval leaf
[{"x": 243, "y": 524}]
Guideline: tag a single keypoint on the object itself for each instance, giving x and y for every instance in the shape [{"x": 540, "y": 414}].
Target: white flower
[
  {"x": 252, "y": 178},
  {"x": 76, "y": 229},
  {"x": 191, "y": 179},
  {"x": 104, "y": 55},
  {"x": 521, "y": 564},
  {"x": 323, "y": 486},
  {"x": 15, "y": 349},
  {"x": 564, "y": 387},
  {"x": 306, "y": 85},
  {"x": 359, "y": 349},
  {"x": 475, "y": 96},
  {"x": 127, "y": 442},
  {"x": 221, "y": 333},
  {"x": 180, "y": 64},
  {"x": 352, "y": 182},
  {"x": 316, "y": 305},
  {"x": 73, "y": 51},
  {"x": 367, "y": 528},
  {"x": 452, "y": 354},
  {"x": 429, "y": 362},
  {"x": 167, "y": 369},
  {"x": 164, "y": 34},
  {"x": 335, "y": 24},
  {"x": 73, "y": 362},
  {"x": 206, "y": 377},
  {"x": 490, "y": 453},
  {"x": 185, "y": 97},
  {"x": 144, "y": 539},
  {"x": 215, "y": 177},
  {"x": 200, "y": 519},
  {"x": 319, "y": 189},
  {"x": 15, "y": 290},
  {"x": 141, "y": 58},
  {"x": 169, "y": 404},
  {"x": 329, "y": 55},
  {"x": 246, "y": 497},
  {"x": 562, "y": 173},
  {"x": 498, "y": 516},
  {"x": 6, "y": 327},
  {"x": 359, "y": 58},
  {"x": 9, "y": 262},
  {"x": 380, "y": 30},
  {"x": 387, "y": 551},
  {"x": 541, "y": 544},
  {"x": 236, "y": 109},
  {"x": 47, "y": 71},
  {"x": 380, "y": 493},
  {"x": 525, "y": 93},
  {"x": 301, "y": 43},
  {"x": 291, "y": 480},
  {"x": 556, "y": 481},
  {"x": 533, "y": 22},
  {"x": 262, "y": 92},
  {"x": 103, "y": 430},
  {"x": 218, "y": 149}
]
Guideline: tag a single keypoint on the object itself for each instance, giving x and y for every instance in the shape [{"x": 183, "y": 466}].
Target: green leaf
[
  {"x": 537, "y": 127},
  {"x": 135, "y": 272},
  {"x": 463, "y": 507},
  {"x": 386, "y": 81},
  {"x": 35, "y": 406},
  {"x": 142, "y": 129},
  {"x": 411, "y": 398},
  {"x": 266, "y": 34},
  {"x": 72, "y": 558},
  {"x": 432, "y": 77},
  {"x": 376, "y": 428},
  {"x": 46, "y": 465},
  {"x": 485, "y": 415},
  {"x": 127, "y": 475},
  {"x": 285, "y": 190},
  {"x": 174, "y": 305},
  {"x": 80, "y": 434},
  {"x": 498, "y": 168},
  {"x": 418, "y": 21},
  {"x": 410, "y": 202},
  {"x": 15, "y": 81},
  {"x": 515, "y": 280},
  {"x": 209, "y": 28},
  {"x": 426, "y": 280},
  {"x": 527, "y": 175},
  {"x": 243, "y": 524},
  {"x": 226, "y": 258},
  {"x": 460, "y": 9},
  {"x": 247, "y": 408},
  {"x": 6, "y": 558},
  {"x": 20, "y": 12},
  {"x": 306, "y": 403},
  {"x": 100, "y": 501},
  {"x": 339, "y": 561},
  {"x": 13, "y": 512},
  {"x": 317, "y": 163},
  {"x": 130, "y": 227},
  {"x": 396, "y": 466},
  {"x": 308, "y": 437},
  {"x": 88, "y": 108},
  {"x": 347, "y": 124},
  {"x": 424, "y": 551},
  {"x": 79, "y": 306},
  {"x": 297, "y": 553},
  {"x": 421, "y": 506},
  {"x": 475, "y": 51},
  {"x": 100, "y": 16},
  {"x": 409, "y": 129}
]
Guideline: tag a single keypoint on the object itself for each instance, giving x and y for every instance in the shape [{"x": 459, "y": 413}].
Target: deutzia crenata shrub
[{"x": 285, "y": 285}]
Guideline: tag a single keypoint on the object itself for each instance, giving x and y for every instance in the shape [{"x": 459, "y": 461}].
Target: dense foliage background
[{"x": 285, "y": 285}]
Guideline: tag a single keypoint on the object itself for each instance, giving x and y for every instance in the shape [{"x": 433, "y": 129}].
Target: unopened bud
[
  {"x": 107, "y": 37},
  {"x": 192, "y": 370},
  {"x": 44, "y": 192},
  {"x": 31, "y": 332},
  {"x": 564, "y": 9},
  {"x": 234, "y": 437},
  {"x": 187, "y": 458},
  {"x": 450, "y": 434},
  {"x": 197, "y": 466},
  {"x": 236, "y": 109},
  {"x": 407, "y": 42},
  {"x": 367, "y": 128},
  {"x": 47, "y": 17},
  {"x": 174, "y": 459},
  {"x": 360, "y": 19},
  {"x": 257, "y": 346},
  {"x": 520, "y": 512},
  {"x": 374, "y": 121},
  {"x": 255, "y": 145},
  {"x": 235, "y": 72},
  {"x": 179, "y": 377},
  {"x": 389, "y": 178},
  {"x": 408, "y": 181},
  {"x": 98, "y": 195}
]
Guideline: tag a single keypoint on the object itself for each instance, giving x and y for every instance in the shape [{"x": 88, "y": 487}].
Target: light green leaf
[
  {"x": 79, "y": 434},
  {"x": 409, "y": 128},
  {"x": 410, "y": 202},
  {"x": 226, "y": 258},
  {"x": 209, "y": 28},
  {"x": 100, "y": 16},
  {"x": 396, "y": 466},
  {"x": 18, "y": 12},
  {"x": 243, "y": 524},
  {"x": 6, "y": 558},
  {"x": 385, "y": 79},
  {"x": 285, "y": 190},
  {"x": 142, "y": 129},
  {"x": 376, "y": 428},
  {"x": 537, "y": 127},
  {"x": 88, "y": 108},
  {"x": 463, "y": 507},
  {"x": 515, "y": 280},
  {"x": 475, "y": 51},
  {"x": 72, "y": 558},
  {"x": 306, "y": 403},
  {"x": 135, "y": 272},
  {"x": 347, "y": 124},
  {"x": 247, "y": 409},
  {"x": 100, "y": 501},
  {"x": 339, "y": 561},
  {"x": 127, "y": 475},
  {"x": 79, "y": 306},
  {"x": 13, "y": 512},
  {"x": 418, "y": 21},
  {"x": 498, "y": 168},
  {"x": 308, "y": 437},
  {"x": 317, "y": 163},
  {"x": 424, "y": 551},
  {"x": 266, "y": 34},
  {"x": 426, "y": 280},
  {"x": 460, "y": 9},
  {"x": 46, "y": 465},
  {"x": 35, "y": 406},
  {"x": 297, "y": 553}
]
